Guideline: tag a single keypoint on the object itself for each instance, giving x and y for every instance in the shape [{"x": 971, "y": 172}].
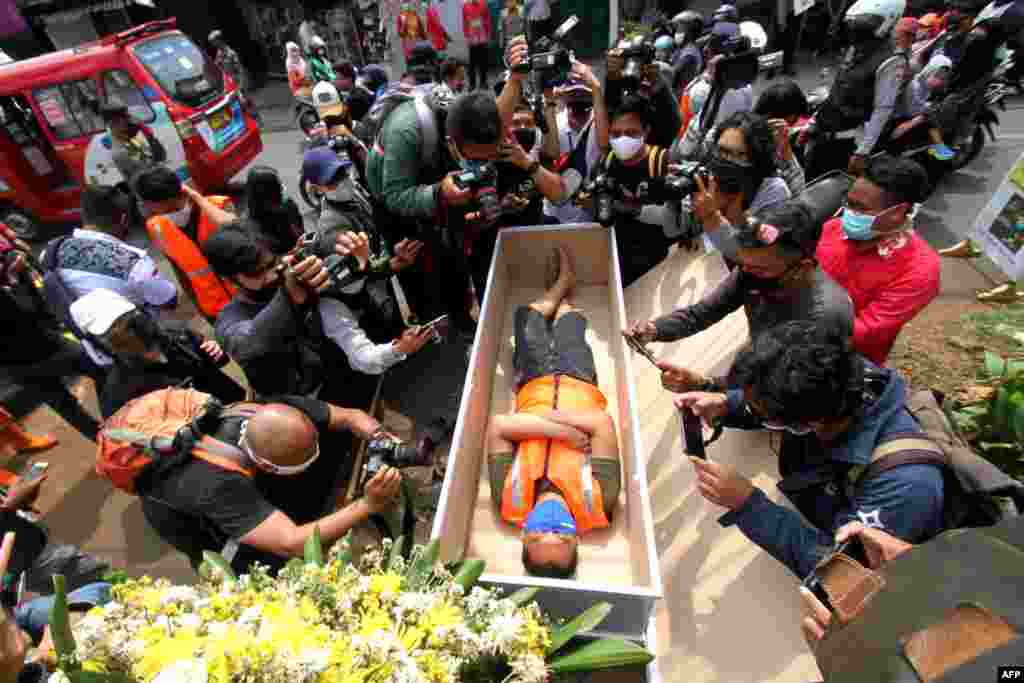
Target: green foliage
[{"x": 995, "y": 426}]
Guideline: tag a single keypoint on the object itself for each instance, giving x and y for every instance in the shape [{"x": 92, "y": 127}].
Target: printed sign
[
  {"x": 53, "y": 112},
  {"x": 999, "y": 228},
  {"x": 801, "y": 6}
]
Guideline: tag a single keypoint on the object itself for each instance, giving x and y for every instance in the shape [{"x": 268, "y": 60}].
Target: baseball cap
[
  {"x": 321, "y": 165},
  {"x": 422, "y": 53},
  {"x": 724, "y": 36},
  {"x": 327, "y": 100},
  {"x": 788, "y": 225},
  {"x": 96, "y": 312}
]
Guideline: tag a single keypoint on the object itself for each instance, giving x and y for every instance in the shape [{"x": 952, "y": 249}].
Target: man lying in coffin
[{"x": 554, "y": 463}]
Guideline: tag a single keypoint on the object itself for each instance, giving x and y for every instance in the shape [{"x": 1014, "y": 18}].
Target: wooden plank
[{"x": 721, "y": 591}]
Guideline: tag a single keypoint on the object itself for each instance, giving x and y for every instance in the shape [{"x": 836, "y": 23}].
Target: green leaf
[
  {"x": 423, "y": 565},
  {"x": 1001, "y": 410},
  {"x": 314, "y": 549},
  {"x": 396, "y": 553},
  {"x": 219, "y": 567},
  {"x": 60, "y": 628},
  {"x": 583, "y": 623},
  {"x": 994, "y": 365},
  {"x": 602, "y": 654},
  {"x": 973, "y": 411},
  {"x": 524, "y": 596},
  {"x": 469, "y": 574},
  {"x": 1018, "y": 423}
]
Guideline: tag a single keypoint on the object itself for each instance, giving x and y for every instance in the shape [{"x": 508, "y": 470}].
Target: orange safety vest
[
  {"x": 685, "y": 113},
  {"x": 566, "y": 467},
  {"x": 211, "y": 292}
]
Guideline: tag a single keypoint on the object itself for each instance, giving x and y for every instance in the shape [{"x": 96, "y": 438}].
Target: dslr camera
[
  {"x": 549, "y": 56},
  {"x": 484, "y": 183},
  {"x": 681, "y": 182},
  {"x": 605, "y": 191},
  {"x": 384, "y": 451},
  {"x": 342, "y": 270},
  {"x": 636, "y": 53}
]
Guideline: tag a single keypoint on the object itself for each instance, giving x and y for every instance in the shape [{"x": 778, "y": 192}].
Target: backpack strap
[
  {"x": 904, "y": 449},
  {"x": 428, "y": 131},
  {"x": 223, "y": 455}
]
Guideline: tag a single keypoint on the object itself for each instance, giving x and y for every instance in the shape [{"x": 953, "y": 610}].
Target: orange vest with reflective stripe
[
  {"x": 566, "y": 467},
  {"x": 684, "y": 112},
  {"x": 211, "y": 292}
]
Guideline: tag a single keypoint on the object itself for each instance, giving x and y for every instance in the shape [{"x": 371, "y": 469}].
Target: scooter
[{"x": 306, "y": 117}]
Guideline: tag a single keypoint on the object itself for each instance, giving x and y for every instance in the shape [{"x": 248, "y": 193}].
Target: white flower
[
  {"x": 530, "y": 669},
  {"x": 183, "y": 671},
  {"x": 313, "y": 662},
  {"x": 178, "y": 594},
  {"x": 217, "y": 629},
  {"x": 504, "y": 631},
  {"x": 58, "y": 676},
  {"x": 190, "y": 621},
  {"x": 251, "y": 615}
]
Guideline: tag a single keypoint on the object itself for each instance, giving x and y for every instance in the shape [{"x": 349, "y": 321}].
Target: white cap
[
  {"x": 327, "y": 100},
  {"x": 95, "y": 312}
]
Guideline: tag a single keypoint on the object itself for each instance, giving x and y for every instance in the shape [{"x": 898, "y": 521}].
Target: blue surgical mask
[
  {"x": 858, "y": 226},
  {"x": 551, "y": 516}
]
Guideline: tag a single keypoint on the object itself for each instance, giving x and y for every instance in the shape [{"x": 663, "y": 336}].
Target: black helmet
[{"x": 727, "y": 13}]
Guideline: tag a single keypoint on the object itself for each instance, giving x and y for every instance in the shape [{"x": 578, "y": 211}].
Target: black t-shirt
[
  {"x": 200, "y": 506},
  {"x": 282, "y": 228},
  {"x": 514, "y": 180},
  {"x": 635, "y": 178}
]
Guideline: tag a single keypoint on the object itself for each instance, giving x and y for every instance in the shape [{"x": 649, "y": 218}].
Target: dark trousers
[
  {"x": 641, "y": 247},
  {"x": 44, "y": 380},
  {"x": 479, "y": 55},
  {"x": 828, "y": 155}
]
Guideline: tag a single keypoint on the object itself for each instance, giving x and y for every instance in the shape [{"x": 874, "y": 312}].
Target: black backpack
[
  {"x": 369, "y": 128},
  {"x": 59, "y": 295},
  {"x": 976, "y": 493}
]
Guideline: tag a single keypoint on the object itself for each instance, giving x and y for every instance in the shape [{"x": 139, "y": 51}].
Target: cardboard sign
[{"x": 999, "y": 228}]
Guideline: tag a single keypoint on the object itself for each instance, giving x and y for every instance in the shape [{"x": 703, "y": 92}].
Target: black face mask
[
  {"x": 527, "y": 137},
  {"x": 733, "y": 177},
  {"x": 262, "y": 296},
  {"x": 762, "y": 284}
]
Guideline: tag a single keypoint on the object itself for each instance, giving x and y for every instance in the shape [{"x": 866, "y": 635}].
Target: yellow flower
[
  {"x": 373, "y": 621},
  {"x": 433, "y": 668},
  {"x": 443, "y": 615},
  {"x": 411, "y": 637},
  {"x": 161, "y": 653},
  {"x": 386, "y": 584}
]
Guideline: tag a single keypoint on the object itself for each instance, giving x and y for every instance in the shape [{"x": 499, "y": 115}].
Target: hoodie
[{"x": 905, "y": 501}]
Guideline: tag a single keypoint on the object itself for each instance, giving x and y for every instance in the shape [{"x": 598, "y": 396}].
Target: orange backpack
[{"x": 165, "y": 425}]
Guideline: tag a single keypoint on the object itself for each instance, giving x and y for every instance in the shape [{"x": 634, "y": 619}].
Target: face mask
[
  {"x": 526, "y": 137},
  {"x": 680, "y": 39},
  {"x": 458, "y": 86},
  {"x": 858, "y": 226},
  {"x": 733, "y": 177},
  {"x": 182, "y": 216},
  {"x": 262, "y": 296},
  {"x": 625, "y": 147},
  {"x": 551, "y": 516}
]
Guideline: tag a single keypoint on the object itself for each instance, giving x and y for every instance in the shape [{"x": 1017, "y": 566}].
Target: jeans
[
  {"x": 34, "y": 615},
  {"x": 44, "y": 379}
]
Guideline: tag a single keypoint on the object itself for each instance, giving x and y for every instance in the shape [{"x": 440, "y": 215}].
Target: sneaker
[
  {"x": 962, "y": 249},
  {"x": 941, "y": 152}
]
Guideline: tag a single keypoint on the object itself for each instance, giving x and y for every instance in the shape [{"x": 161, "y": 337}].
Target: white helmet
[
  {"x": 754, "y": 33},
  {"x": 874, "y": 17}
]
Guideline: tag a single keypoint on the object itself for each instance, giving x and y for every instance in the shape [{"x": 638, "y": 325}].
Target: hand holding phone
[{"x": 693, "y": 433}]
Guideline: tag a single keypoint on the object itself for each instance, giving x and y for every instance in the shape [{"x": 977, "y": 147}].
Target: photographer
[
  {"x": 777, "y": 281},
  {"x": 269, "y": 207},
  {"x": 650, "y": 85},
  {"x": 725, "y": 41},
  {"x": 833, "y": 409},
  {"x": 636, "y": 169},
  {"x": 149, "y": 355},
  {"x": 286, "y": 337},
  {"x": 744, "y": 162},
  {"x": 688, "y": 59},
  {"x": 415, "y": 191},
  {"x": 291, "y": 448}
]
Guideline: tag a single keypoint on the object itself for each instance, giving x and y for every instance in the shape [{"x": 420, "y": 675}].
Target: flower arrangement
[{"x": 386, "y": 621}]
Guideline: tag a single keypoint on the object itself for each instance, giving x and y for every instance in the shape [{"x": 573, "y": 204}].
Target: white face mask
[
  {"x": 181, "y": 217},
  {"x": 680, "y": 39},
  {"x": 625, "y": 147}
]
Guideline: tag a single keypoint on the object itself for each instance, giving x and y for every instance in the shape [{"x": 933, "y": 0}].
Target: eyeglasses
[
  {"x": 794, "y": 428},
  {"x": 273, "y": 468}
]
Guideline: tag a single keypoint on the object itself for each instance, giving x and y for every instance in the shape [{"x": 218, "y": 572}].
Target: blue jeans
[{"x": 34, "y": 615}]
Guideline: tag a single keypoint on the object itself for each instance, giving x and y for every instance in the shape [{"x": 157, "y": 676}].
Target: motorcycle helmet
[
  {"x": 663, "y": 48},
  {"x": 215, "y": 36},
  {"x": 726, "y": 12},
  {"x": 689, "y": 24},
  {"x": 755, "y": 35},
  {"x": 868, "y": 19}
]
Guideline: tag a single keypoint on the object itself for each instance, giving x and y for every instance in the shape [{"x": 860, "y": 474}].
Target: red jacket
[
  {"x": 476, "y": 22},
  {"x": 889, "y": 282}
]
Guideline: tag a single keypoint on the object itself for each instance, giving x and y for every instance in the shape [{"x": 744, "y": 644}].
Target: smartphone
[
  {"x": 693, "y": 433},
  {"x": 36, "y": 471},
  {"x": 852, "y": 548},
  {"x": 640, "y": 348},
  {"x": 436, "y": 321}
]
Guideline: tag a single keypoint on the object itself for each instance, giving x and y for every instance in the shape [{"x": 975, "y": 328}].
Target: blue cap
[{"x": 321, "y": 165}]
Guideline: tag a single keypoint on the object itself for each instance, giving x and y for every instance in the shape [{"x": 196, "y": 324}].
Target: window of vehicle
[
  {"x": 70, "y": 109},
  {"x": 181, "y": 69},
  {"x": 120, "y": 89}
]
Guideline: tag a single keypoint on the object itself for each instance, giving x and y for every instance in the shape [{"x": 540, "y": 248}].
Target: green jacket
[{"x": 396, "y": 175}]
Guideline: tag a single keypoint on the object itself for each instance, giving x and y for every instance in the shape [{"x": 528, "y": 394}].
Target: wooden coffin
[{"x": 618, "y": 565}]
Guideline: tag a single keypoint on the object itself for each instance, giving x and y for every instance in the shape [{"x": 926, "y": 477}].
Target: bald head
[{"x": 282, "y": 435}]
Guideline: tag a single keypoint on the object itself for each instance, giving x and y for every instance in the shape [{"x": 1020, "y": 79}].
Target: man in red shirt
[
  {"x": 873, "y": 251},
  {"x": 476, "y": 22}
]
